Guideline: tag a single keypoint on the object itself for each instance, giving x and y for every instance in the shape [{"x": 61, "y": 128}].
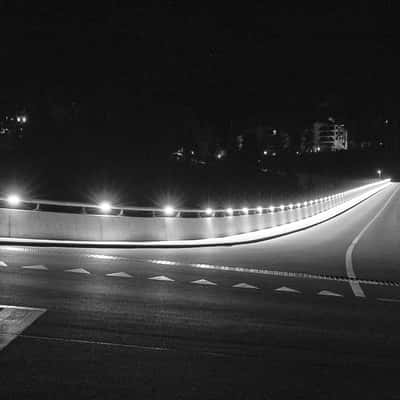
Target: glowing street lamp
[
  {"x": 209, "y": 211},
  {"x": 169, "y": 211},
  {"x": 105, "y": 207},
  {"x": 13, "y": 200},
  {"x": 245, "y": 210},
  {"x": 229, "y": 211},
  {"x": 259, "y": 209},
  {"x": 379, "y": 172}
]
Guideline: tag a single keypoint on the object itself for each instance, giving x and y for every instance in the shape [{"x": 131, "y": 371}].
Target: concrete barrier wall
[{"x": 30, "y": 224}]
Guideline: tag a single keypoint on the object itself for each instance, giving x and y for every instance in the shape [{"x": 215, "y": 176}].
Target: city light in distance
[
  {"x": 305, "y": 203},
  {"x": 259, "y": 209},
  {"x": 282, "y": 207},
  {"x": 298, "y": 205},
  {"x": 105, "y": 207},
  {"x": 209, "y": 211},
  {"x": 245, "y": 210},
  {"x": 290, "y": 206},
  {"x": 229, "y": 211},
  {"x": 169, "y": 210},
  {"x": 13, "y": 200}
]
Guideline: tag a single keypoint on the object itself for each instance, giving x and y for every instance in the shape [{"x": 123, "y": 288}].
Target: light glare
[
  {"x": 13, "y": 200},
  {"x": 105, "y": 207},
  {"x": 169, "y": 210}
]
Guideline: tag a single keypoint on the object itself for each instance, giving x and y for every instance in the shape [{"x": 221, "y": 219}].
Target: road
[{"x": 280, "y": 319}]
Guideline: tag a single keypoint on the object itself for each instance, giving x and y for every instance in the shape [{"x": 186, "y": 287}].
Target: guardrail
[
  {"x": 14, "y": 202},
  {"x": 28, "y": 222}
]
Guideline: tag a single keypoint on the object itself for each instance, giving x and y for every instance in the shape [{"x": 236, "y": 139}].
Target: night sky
[{"x": 120, "y": 64}]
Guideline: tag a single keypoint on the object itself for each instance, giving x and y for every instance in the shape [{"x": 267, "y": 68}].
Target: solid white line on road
[
  {"x": 35, "y": 267},
  {"x": 287, "y": 290},
  {"x": 120, "y": 275},
  {"x": 328, "y": 293},
  {"x": 78, "y": 271},
  {"x": 161, "y": 278},
  {"x": 389, "y": 300},
  {"x": 355, "y": 284},
  {"x": 3, "y": 264},
  {"x": 245, "y": 286},
  {"x": 105, "y": 257},
  {"x": 203, "y": 282}
]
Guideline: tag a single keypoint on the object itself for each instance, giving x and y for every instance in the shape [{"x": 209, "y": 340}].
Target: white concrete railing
[{"x": 218, "y": 227}]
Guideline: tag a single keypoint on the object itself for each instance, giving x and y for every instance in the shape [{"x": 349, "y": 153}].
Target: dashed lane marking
[
  {"x": 329, "y": 293},
  {"x": 14, "y": 320},
  {"x": 204, "y": 282},
  {"x": 286, "y": 274},
  {"x": 244, "y": 285},
  {"x": 3, "y": 264},
  {"x": 287, "y": 290},
  {"x": 161, "y": 278},
  {"x": 355, "y": 284},
  {"x": 35, "y": 267},
  {"x": 120, "y": 275},
  {"x": 78, "y": 271}
]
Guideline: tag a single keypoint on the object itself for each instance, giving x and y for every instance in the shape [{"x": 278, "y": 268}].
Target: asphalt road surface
[{"x": 314, "y": 314}]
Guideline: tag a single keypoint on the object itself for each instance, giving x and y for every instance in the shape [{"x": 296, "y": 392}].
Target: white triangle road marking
[
  {"x": 35, "y": 267},
  {"x": 78, "y": 271},
  {"x": 328, "y": 293},
  {"x": 204, "y": 282},
  {"x": 161, "y": 278},
  {"x": 245, "y": 286},
  {"x": 3, "y": 264},
  {"x": 287, "y": 289},
  {"x": 120, "y": 275}
]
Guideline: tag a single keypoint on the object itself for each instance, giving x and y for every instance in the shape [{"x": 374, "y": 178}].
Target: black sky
[{"x": 125, "y": 61}]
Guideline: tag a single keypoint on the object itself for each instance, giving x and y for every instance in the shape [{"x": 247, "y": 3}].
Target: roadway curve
[{"x": 117, "y": 336}]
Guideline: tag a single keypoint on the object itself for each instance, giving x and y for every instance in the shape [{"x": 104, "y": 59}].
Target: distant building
[
  {"x": 12, "y": 128},
  {"x": 327, "y": 136},
  {"x": 269, "y": 141}
]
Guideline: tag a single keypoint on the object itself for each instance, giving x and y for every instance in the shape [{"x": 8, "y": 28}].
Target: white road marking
[
  {"x": 14, "y": 320},
  {"x": 120, "y": 275},
  {"x": 244, "y": 285},
  {"x": 161, "y": 278},
  {"x": 3, "y": 264},
  {"x": 78, "y": 271},
  {"x": 355, "y": 284},
  {"x": 389, "y": 300},
  {"x": 35, "y": 267},
  {"x": 329, "y": 293},
  {"x": 105, "y": 257},
  {"x": 204, "y": 282},
  {"x": 287, "y": 289}
]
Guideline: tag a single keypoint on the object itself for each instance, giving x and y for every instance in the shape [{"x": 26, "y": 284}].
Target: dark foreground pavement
[{"x": 132, "y": 336}]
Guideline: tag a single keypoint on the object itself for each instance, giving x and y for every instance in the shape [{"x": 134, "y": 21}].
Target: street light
[
  {"x": 169, "y": 211},
  {"x": 209, "y": 211},
  {"x": 13, "y": 200},
  {"x": 105, "y": 207},
  {"x": 229, "y": 211},
  {"x": 379, "y": 172},
  {"x": 259, "y": 209},
  {"x": 245, "y": 210}
]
